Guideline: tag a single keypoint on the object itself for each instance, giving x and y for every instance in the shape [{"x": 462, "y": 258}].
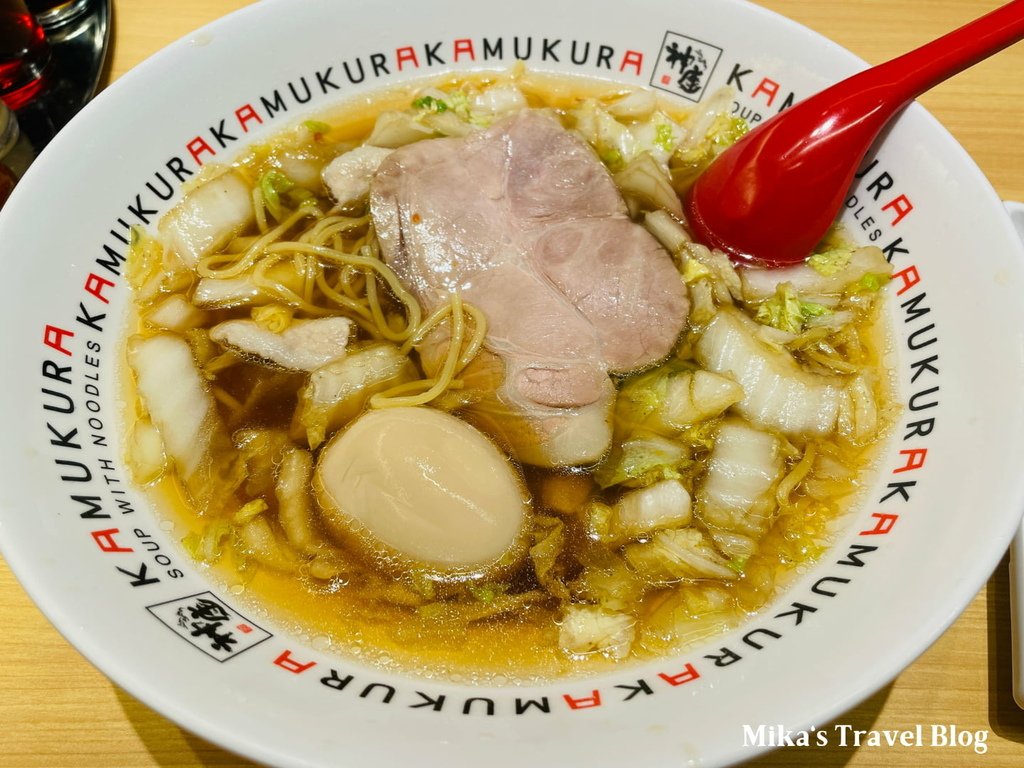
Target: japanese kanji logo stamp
[
  {"x": 210, "y": 625},
  {"x": 685, "y": 65}
]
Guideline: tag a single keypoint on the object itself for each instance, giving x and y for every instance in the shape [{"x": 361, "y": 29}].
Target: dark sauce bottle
[{"x": 24, "y": 55}]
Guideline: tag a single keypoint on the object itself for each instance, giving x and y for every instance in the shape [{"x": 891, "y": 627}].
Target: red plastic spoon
[{"x": 771, "y": 197}]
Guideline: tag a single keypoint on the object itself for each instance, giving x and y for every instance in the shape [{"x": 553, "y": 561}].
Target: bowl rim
[{"x": 909, "y": 647}]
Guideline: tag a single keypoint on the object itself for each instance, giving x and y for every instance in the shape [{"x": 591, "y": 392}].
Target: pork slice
[
  {"x": 616, "y": 275},
  {"x": 551, "y": 353},
  {"x": 438, "y": 210},
  {"x": 550, "y": 174},
  {"x": 526, "y": 224},
  {"x": 544, "y": 435}
]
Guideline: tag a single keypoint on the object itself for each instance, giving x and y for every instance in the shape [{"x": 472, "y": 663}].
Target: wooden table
[{"x": 56, "y": 710}]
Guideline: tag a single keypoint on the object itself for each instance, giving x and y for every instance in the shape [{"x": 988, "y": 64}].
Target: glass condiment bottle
[
  {"x": 56, "y": 13},
  {"x": 25, "y": 55}
]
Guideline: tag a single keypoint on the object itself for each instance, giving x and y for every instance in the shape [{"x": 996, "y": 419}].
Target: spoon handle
[
  {"x": 862, "y": 104},
  {"x": 771, "y": 197}
]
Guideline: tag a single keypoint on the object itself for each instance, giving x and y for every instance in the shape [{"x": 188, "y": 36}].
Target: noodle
[
  {"x": 359, "y": 298},
  {"x": 369, "y": 264},
  {"x": 207, "y": 266},
  {"x": 795, "y": 476},
  {"x": 394, "y": 399}
]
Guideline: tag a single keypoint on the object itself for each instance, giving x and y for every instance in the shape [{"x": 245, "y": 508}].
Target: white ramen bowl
[{"x": 110, "y": 573}]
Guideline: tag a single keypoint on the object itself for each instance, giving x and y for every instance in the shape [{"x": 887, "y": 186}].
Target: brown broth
[{"x": 376, "y": 618}]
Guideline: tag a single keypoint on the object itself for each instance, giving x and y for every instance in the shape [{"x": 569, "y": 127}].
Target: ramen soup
[{"x": 442, "y": 381}]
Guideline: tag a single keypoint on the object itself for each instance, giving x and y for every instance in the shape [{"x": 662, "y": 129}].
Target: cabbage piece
[
  {"x": 662, "y": 505},
  {"x": 448, "y": 124},
  {"x": 586, "y": 629},
  {"x": 249, "y": 510},
  {"x": 827, "y": 323},
  {"x": 736, "y": 546},
  {"x": 208, "y": 217},
  {"x": 396, "y": 129},
  {"x": 715, "y": 267},
  {"x": 709, "y": 122},
  {"x": 599, "y": 521},
  {"x": 275, "y": 185},
  {"x": 617, "y": 144},
  {"x": 709, "y": 132},
  {"x": 144, "y": 262},
  {"x": 838, "y": 270},
  {"x": 829, "y": 479},
  {"x": 303, "y": 170},
  {"x": 658, "y": 136},
  {"x": 787, "y": 311},
  {"x": 153, "y": 271},
  {"x": 292, "y": 161},
  {"x": 736, "y": 492},
  {"x": 693, "y": 396},
  {"x": 146, "y": 457},
  {"x": 673, "y": 555},
  {"x": 304, "y": 345},
  {"x": 641, "y": 461},
  {"x": 795, "y": 475},
  {"x": 495, "y": 101},
  {"x": 830, "y": 262},
  {"x": 174, "y": 313},
  {"x": 261, "y": 450},
  {"x": 295, "y": 501},
  {"x": 778, "y": 393},
  {"x": 670, "y": 398},
  {"x": 329, "y": 565},
  {"x": 702, "y": 302},
  {"x": 455, "y": 114},
  {"x": 641, "y": 400},
  {"x": 338, "y": 391},
  {"x": 275, "y": 318},
  {"x": 636, "y": 105},
  {"x": 257, "y": 540},
  {"x": 607, "y": 581},
  {"x": 208, "y": 546},
  {"x": 858, "y": 412},
  {"x": 687, "y": 614},
  {"x": 215, "y": 293},
  {"x": 643, "y": 179},
  {"x": 348, "y": 175},
  {"x": 222, "y": 293},
  {"x": 612, "y": 140},
  {"x": 430, "y": 103},
  {"x": 548, "y": 543},
  {"x": 668, "y": 231},
  {"x": 175, "y": 395}
]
